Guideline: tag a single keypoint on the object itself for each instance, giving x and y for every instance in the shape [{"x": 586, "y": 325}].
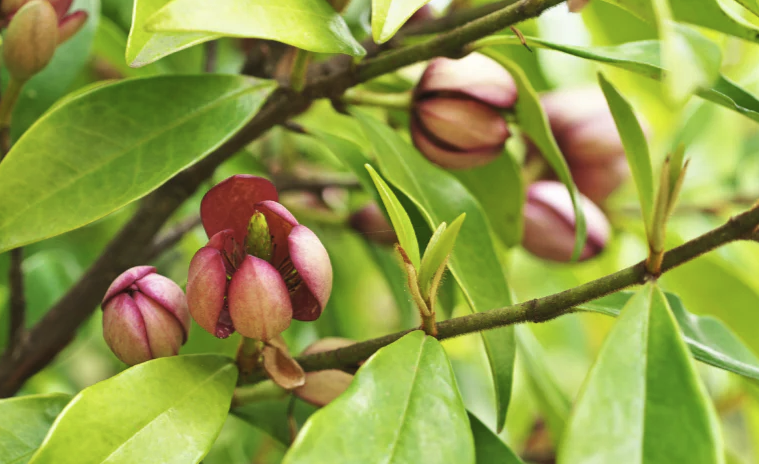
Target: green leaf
[
  {"x": 534, "y": 123},
  {"x": 145, "y": 47},
  {"x": 398, "y": 216},
  {"x": 710, "y": 341},
  {"x": 111, "y": 43},
  {"x": 499, "y": 188},
  {"x": 437, "y": 252},
  {"x": 271, "y": 416},
  {"x": 643, "y": 401},
  {"x": 42, "y": 90},
  {"x": 473, "y": 262},
  {"x": 105, "y": 148},
  {"x": 24, "y": 422},
  {"x": 636, "y": 147},
  {"x": 488, "y": 448},
  {"x": 167, "y": 410},
  {"x": 312, "y": 25},
  {"x": 399, "y": 398},
  {"x": 389, "y": 15},
  {"x": 552, "y": 401}
]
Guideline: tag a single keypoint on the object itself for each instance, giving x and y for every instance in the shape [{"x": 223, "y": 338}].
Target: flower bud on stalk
[
  {"x": 549, "y": 223},
  {"x": 145, "y": 316},
  {"x": 456, "y": 119}
]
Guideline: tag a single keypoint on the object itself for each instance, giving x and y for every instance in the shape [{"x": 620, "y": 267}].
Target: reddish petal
[
  {"x": 70, "y": 25},
  {"x": 206, "y": 288},
  {"x": 232, "y": 252},
  {"x": 125, "y": 280},
  {"x": 165, "y": 333},
  {"x": 451, "y": 158},
  {"x": 312, "y": 262},
  {"x": 124, "y": 330},
  {"x": 259, "y": 303},
  {"x": 280, "y": 222},
  {"x": 231, "y": 203},
  {"x": 169, "y": 295},
  {"x": 61, "y": 7}
]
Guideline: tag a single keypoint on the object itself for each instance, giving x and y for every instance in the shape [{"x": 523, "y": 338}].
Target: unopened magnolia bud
[
  {"x": 30, "y": 40},
  {"x": 456, "y": 120},
  {"x": 549, "y": 223},
  {"x": 372, "y": 224},
  {"x": 145, "y": 316},
  {"x": 322, "y": 387}
]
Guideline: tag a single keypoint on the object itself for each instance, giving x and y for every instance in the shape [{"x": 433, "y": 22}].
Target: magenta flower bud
[
  {"x": 228, "y": 289},
  {"x": 322, "y": 387},
  {"x": 456, "y": 120},
  {"x": 372, "y": 224},
  {"x": 145, "y": 316},
  {"x": 549, "y": 223}
]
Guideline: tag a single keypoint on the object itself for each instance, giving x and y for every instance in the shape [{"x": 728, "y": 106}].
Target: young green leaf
[
  {"x": 145, "y": 47},
  {"x": 398, "y": 216},
  {"x": 24, "y": 422},
  {"x": 182, "y": 404},
  {"x": 534, "y": 123},
  {"x": 643, "y": 401},
  {"x": 389, "y": 15},
  {"x": 473, "y": 262},
  {"x": 488, "y": 447},
  {"x": 133, "y": 142},
  {"x": 636, "y": 146},
  {"x": 397, "y": 398},
  {"x": 438, "y": 250},
  {"x": 312, "y": 25}
]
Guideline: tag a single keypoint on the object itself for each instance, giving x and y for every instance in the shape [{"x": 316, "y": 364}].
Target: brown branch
[
  {"x": 455, "y": 19},
  {"x": 171, "y": 237},
  {"x": 54, "y": 331},
  {"x": 17, "y": 299}
]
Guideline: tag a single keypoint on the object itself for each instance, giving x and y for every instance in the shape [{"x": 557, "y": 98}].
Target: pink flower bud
[
  {"x": 31, "y": 40},
  {"x": 456, "y": 121},
  {"x": 322, "y": 387},
  {"x": 145, "y": 316},
  {"x": 372, "y": 224},
  {"x": 549, "y": 223}
]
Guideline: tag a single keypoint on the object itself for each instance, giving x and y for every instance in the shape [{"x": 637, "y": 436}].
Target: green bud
[
  {"x": 31, "y": 39},
  {"x": 258, "y": 241}
]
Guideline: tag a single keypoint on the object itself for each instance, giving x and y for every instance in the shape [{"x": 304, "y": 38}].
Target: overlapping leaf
[
  {"x": 389, "y": 15},
  {"x": 488, "y": 448},
  {"x": 24, "y": 422}
]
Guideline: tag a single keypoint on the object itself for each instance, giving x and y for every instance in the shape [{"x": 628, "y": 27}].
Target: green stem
[
  {"x": 391, "y": 101},
  {"x": 248, "y": 355},
  {"x": 300, "y": 68},
  {"x": 264, "y": 391}
]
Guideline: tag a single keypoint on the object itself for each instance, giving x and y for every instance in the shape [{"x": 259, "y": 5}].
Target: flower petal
[
  {"x": 169, "y": 295},
  {"x": 70, "y": 25},
  {"x": 206, "y": 288},
  {"x": 311, "y": 260},
  {"x": 232, "y": 252},
  {"x": 125, "y": 280},
  {"x": 231, "y": 203},
  {"x": 165, "y": 333},
  {"x": 282, "y": 368},
  {"x": 280, "y": 222},
  {"x": 124, "y": 330},
  {"x": 259, "y": 303}
]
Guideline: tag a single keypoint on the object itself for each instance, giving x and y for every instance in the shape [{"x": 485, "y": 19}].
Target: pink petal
[
  {"x": 232, "y": 252},
  {"x": 323, "y": 386},
  {"x": 125, "y": 280},
  {"x": 280, "y": 222},
  {"x": 259, "y": 303},
  {"x": 124, "y": 330},
  {"x": 231, "y": 203},
  {"x": 61, "y": 7},
  {"x": 598, "y": 181},
  {"x": 463, "y": 124},
  {"x": 169, "y": 295},
  {"x": 165, "y": 333},
  {"x": 474, "y": 75},
  {"x": 448, "y": 158},
  {"x": 206, "y": 288},
  {"x": 312, "y": 262},
  {"x": 70, "y": 25}
]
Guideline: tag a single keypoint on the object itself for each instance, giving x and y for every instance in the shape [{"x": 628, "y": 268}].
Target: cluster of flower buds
[
  {"x": 456, "y": 120},
  {"x": 35, "y": 29},
  {"x": 550, "y": 227},
  {"x": 585, "y": 131},
  {"x": 260, "y": 268},
  {"x": 145, "y": 316}
]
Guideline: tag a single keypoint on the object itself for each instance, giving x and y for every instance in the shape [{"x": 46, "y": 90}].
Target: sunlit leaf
[
  {"x": 389, "y": 15},
  {"x": 24, "y": 422}
]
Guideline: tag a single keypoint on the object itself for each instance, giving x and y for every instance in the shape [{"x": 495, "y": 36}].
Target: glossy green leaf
[
  {"x": 24, "y": 422},
  {"x": 145, "y": 47},
  {"x": 751, "y": 5},
  {"x": 474, "y": 261},
  {"x": 488, "y": 448},
  {"x": 389, "y": 15},
  {"x": 710, "y": 341},
  {"x": 552, "y": 401},
  {"x": 168, "y": 410},
  {"x": 312, "y": 25},
  {"x": 636, "y": 146},
  {"x": 398, "y": 216},
  {"x": 392, "y": 412},
  {"x": 643, "y": 401},
  {"x": 534, "y": 123},
  {"x": 112, "y": 145},
  {"x": 42, "y": 90},
  {"x": 271, "y": 416},
  {"x": 437, "y": 252},
  {"x": 498, "y": 187},
  {"x": 110, "y": 45}
]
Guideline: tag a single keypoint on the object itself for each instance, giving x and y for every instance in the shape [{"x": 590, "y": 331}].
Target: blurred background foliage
[{"x": 369, "y": 297}]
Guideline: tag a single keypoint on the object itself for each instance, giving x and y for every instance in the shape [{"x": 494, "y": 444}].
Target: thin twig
[
  {"x": 172, "y": 236},
  {"x": 17, "y": 299},
  {"x": 212, "y": 55}
]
